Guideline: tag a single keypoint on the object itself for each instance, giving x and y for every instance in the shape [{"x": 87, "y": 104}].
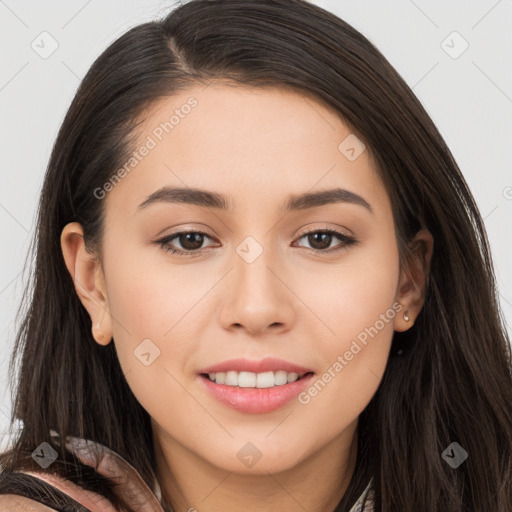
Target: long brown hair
[{"x": 448, "y": 378}]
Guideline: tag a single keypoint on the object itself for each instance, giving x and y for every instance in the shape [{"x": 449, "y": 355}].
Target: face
[{"x": 264, "y": 288}]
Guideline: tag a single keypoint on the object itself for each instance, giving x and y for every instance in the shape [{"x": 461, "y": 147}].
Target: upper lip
[{"x": 269, "y": 364}]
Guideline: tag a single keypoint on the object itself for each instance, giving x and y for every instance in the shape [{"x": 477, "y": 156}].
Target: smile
[
  {"x": 255, "y": 393},
  {"x": 254, "y": 380}
]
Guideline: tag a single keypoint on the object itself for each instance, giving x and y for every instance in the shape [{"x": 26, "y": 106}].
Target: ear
[
  {"x": 413, "y": 279},
  {"x": 87, "y": 275}
]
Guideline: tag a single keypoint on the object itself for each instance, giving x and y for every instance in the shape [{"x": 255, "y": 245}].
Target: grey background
[{"x": 468, "y": 97}]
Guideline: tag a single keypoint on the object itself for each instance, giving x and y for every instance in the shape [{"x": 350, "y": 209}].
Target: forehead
[{"x": 244, "y": 142}]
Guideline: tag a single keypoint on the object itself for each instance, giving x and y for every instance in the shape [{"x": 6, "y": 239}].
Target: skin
[{"x": 256, "y": 146}]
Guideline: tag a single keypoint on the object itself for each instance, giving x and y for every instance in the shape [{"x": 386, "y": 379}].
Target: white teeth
[
  {"x": 280, "y": 378},
  {"x": 247, "y": 380},
  {"x": 253, "y": 380},
  {"x": 265, "y": 380},
  {"x": 292, "y": 377},
  {"x": 231, "y": 379}
]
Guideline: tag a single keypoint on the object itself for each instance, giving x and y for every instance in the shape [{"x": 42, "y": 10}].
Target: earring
[{"x": 406, "y": 317}]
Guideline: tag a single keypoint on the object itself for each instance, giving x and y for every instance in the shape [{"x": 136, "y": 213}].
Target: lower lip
[{"x": 256, "y": 400}]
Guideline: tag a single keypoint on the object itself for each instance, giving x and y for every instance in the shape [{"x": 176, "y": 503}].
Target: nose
[{"x": 257, "y": 297}]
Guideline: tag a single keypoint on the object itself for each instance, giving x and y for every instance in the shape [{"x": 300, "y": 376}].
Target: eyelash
[{"x": 348, "y": 241}]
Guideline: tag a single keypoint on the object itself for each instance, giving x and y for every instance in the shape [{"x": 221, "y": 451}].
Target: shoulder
[
  {"x": 128, "y": 486},
  {"x": 58, "y": 488},
  {"x": 12, "y": 503}
]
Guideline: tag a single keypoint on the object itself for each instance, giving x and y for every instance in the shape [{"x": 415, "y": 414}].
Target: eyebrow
[{"x": 209, "y": 199}]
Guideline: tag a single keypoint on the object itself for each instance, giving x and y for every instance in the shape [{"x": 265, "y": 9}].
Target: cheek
[
  {"x": 149, "y": 305},
  {"x": 149, "y": 310},
  {"x": 146, "y": 296},
  {"x": 350, "y": 296},
  {"x": 358, "y": 308}
]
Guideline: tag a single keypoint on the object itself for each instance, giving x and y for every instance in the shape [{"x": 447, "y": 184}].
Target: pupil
[
  {"x": 187, "y": 241},
  {"x": 323, "y": 243}
]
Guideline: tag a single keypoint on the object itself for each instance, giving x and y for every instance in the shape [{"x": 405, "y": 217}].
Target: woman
[{"x": 209, "y": 349}]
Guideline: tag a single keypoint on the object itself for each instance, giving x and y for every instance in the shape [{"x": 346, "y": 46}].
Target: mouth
[
  {"x": 255, "y": 387},
  {"x": 262, "y": 380}
]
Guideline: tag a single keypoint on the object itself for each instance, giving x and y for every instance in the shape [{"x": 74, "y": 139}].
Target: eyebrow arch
[
  {"x": 187, "y": 195},
  {"x": 208, "y": 199},
  {"x": 314, "y": 199}
]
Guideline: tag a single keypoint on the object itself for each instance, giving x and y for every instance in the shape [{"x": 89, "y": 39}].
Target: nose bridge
[
  {"x": 257, "y": 297},
  {"x": 252, "y": 265}
]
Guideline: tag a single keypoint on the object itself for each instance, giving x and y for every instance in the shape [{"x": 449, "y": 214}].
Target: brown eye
[
  {"x": 190, "y": 242},
  {"x": 320, "y": 240}
]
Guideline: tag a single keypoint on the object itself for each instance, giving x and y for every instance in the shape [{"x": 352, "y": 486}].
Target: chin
[{"x": 256, "y": 459}]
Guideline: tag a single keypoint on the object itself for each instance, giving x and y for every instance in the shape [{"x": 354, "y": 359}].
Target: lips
[
  {"x": 269, "y": 364},
  {"x": 245, "y": 385}
]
